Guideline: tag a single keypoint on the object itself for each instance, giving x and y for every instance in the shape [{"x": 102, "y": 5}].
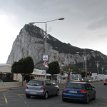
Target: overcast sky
[{"x": 84, "y": 26}]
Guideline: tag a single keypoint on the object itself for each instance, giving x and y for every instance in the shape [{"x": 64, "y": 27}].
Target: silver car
[{"x": 43, "y": 88}]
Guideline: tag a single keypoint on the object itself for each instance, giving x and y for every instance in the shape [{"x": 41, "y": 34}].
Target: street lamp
[
  {"x": 45, "y": 56},
  {"x": 97, "y": 64},
  {"x": 102, "y": 69},
  {"x": 45, "y": 37},
  {"x": 85, "y": 60}
]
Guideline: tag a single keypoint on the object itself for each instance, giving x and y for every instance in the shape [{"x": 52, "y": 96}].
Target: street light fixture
[
  {"x": 102, "y": 69},
  {"x": 85, "y": 60},
  {"x": 45, "y": 37},
  {"x": 97, "y": 64}
]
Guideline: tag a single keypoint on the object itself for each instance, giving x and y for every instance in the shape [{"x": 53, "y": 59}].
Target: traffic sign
[
  {"x": 45, "y": 57},
  {"x": 45, "y": 64}
]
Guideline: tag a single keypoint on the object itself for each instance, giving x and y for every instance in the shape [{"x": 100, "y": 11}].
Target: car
[
  {"x": 81, "y": 91},
  {"x": 43, "y": 88},
  {"x": 105, "y": 82}
]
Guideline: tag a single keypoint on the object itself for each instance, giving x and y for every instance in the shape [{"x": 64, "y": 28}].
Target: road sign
[
  {"x": 45, "y": 64},
  {"x": 45, "y": 57}
]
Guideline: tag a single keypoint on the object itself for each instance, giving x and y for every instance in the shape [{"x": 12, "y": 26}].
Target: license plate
[
  {"x": 73, "y": 91},
  {"x": 33, "y": 93}
]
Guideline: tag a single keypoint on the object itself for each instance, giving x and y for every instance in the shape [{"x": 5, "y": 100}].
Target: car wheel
[
  {"x": 63, "y": 99},
  {"x": 57, "y": 92},
  {"x": 27, "y": 96},
  {"x": 46, "y": 95},
  {"x": 94, "y": 97}
]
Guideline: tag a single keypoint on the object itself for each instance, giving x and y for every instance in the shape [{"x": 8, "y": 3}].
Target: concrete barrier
[{"x": 5, "y": 85}]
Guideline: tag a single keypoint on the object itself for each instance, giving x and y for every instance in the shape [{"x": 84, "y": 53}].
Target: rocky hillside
[{"x": 30, "y": 42}]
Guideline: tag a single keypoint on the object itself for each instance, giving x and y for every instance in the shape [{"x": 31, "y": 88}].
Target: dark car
[
  {"x": 105, "y": 82},
  {"x": 81, "y": 91},
  {"x": 43, "y": 88}
]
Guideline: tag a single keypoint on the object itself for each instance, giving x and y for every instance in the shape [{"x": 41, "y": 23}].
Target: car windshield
[
  {"x": 35, "y": 82},
  {"x": 74, "y": 85}
]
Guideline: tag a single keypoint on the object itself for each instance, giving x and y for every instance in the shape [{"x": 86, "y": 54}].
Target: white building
[{"x": 6, "y": 69}]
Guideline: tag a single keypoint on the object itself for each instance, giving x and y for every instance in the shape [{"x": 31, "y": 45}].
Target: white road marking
[{"x": 5, "y": 99}]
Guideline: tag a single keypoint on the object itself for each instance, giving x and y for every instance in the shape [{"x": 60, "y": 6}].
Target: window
[
  {"x": 74, "y": 85},
  {"x": 48, "y": 82},
  {"x": 35, "y": 82},
  {"x": 88, "y": 86}
]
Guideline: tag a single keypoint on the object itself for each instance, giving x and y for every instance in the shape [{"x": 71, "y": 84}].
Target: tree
[
  {"x": 53, "y": 68},
  {"x": 24, "y": 66},
  {"x": 83, "y": 74}
]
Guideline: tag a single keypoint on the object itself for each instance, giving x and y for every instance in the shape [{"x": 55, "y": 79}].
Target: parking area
[{"x": 15, "y": 97}]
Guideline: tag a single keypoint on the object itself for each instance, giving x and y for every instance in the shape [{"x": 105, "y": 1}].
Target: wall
[{"x": 4, "y": 85}]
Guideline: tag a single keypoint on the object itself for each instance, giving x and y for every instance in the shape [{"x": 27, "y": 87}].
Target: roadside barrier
[{"x": 4, "y": 85}]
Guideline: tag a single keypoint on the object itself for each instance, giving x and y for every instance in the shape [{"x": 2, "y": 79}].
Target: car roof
[
  {"x": 80, "y": 82},
  {"x": 40, "y": 80}
]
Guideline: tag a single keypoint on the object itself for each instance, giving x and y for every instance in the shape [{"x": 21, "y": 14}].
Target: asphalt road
[{"x": 16, "y": 98}]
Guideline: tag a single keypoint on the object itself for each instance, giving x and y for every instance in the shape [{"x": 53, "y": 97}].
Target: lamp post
[
  {"x": 45, "y": 56},
  {"x": 102, "y": 69},
  {"x": 45, "y": 37},
  {"x": 85, "y": 60},
  {"x": 97, "y": 64}
]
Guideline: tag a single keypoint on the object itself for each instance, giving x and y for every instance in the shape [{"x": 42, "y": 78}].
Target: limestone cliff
[{"x": 30, "y": 42}]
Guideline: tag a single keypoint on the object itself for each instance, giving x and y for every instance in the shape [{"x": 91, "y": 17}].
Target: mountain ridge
[{"x": 30, "y": 42}]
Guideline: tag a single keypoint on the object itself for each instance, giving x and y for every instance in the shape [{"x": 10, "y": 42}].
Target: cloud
[{"x": 98, "y": 24}]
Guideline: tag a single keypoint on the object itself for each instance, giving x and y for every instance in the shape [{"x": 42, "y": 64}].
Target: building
[
  {"x": 6, "y": 75},
  {"x": 5, "y": 72}
]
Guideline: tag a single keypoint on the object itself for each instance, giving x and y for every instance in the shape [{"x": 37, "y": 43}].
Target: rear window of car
[
  {"x": 74, "y": 85},
  {"x": 88, "y": 86},
  {"x": 35, "y": 82}
]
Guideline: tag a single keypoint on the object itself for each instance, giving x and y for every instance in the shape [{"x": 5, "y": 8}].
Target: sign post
[{"x": 45, "y": 59}]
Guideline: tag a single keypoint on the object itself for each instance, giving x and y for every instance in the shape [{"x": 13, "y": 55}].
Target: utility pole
[
  {"x": 45, "y": 55},
  {"x": 97, "y": 64}
]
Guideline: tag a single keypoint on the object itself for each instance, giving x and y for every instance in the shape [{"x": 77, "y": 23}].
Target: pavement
[{"x": 61, "y": 86}]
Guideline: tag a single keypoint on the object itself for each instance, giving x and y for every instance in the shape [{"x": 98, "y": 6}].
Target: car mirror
[{"x": 93, "y": 87}]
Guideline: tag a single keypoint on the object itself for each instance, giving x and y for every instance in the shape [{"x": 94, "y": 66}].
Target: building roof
[
  {"x": 40, "y": 72},
  {"x": 5, "y": 68}
]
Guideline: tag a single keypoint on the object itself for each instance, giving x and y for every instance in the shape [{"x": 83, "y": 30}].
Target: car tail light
[{"x": 83, "y": 91}]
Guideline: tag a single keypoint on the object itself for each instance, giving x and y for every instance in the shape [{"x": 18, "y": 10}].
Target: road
[{"x": 16, "y": 98}]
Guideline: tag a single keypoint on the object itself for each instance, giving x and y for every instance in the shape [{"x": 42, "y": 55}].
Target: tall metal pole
[
  {"x": 85, "y": 62},
  {"x": 97, "y": 64},
  {"x": 102, "y": 70},
  {"x": 45, "y": 45},
  {"x": 45, "y": 38}
]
